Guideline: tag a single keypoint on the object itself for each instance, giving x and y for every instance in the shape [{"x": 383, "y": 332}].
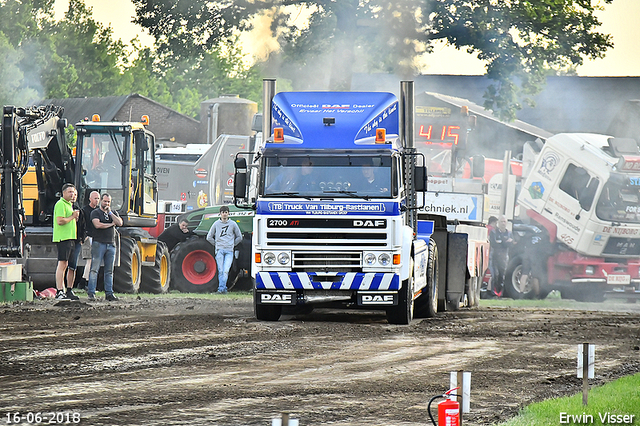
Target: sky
[{"x": 620, "y": 19}]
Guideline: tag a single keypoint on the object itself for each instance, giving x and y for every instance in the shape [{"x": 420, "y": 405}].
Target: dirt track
[{"x": 198, "y": 361}]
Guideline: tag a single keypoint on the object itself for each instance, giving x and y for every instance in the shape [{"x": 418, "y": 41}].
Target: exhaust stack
[{"x": 268, "y": 92}]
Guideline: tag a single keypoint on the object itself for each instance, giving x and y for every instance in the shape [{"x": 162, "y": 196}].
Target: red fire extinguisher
[{"x": 448, "y": 410}]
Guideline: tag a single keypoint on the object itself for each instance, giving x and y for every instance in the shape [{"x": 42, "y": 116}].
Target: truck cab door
[{"x": 570, "y": 203}]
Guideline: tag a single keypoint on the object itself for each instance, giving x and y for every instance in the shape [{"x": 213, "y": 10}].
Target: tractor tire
[
  {"x": 155, "y": 279},
  {"x": 426, "y": 306},
  {"x": 266, "y": 312},
  {"x": 126, "y": 277},
  {"x": 193, "y": 267}
]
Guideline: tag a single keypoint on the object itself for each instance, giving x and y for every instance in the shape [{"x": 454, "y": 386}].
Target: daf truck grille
[
  {"x": 334, "y": 261},
  {"x": 327, "y": 238},
  {"x": 622, "y": 247}
]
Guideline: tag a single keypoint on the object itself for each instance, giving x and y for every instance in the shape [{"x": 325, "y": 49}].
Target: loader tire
[
  {"x": 126, "y": 277},
  {"x": 193, "y": 267},
  {"x": 155, "y": 279}
]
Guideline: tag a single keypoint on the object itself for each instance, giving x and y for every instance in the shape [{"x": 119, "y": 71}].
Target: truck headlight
[
  {"x": 269, "y": 258},
  {"x": 369, "y": 259},
  {"x": 590, "y": 270},
  {"x": 384, "y": 259},
  {"x": 283, "y": 258}
]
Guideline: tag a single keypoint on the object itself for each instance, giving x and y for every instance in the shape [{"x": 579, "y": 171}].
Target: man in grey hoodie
[{"x": 224, "y": 235}]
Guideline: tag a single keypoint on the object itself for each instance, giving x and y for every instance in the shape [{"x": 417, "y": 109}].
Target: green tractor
[{"x": 193, "y": 262}]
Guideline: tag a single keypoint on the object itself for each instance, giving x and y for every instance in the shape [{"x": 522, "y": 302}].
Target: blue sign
[
  {"x": 357, "y": 117},
  {"x": 328, "y": 208}
]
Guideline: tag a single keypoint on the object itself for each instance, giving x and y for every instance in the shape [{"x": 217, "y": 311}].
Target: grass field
[{"x": 608, "y": 404}]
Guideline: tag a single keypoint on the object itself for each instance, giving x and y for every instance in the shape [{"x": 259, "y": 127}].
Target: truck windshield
[
  {"x": 620, "y": 200},
  {"x": 328, "y": 176}
]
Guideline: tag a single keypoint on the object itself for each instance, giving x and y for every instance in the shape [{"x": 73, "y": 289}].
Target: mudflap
[
  {"x": 377, "y": 299},
  {"x": 441, "y": 236},
  {"x": 456, "y": 267}
]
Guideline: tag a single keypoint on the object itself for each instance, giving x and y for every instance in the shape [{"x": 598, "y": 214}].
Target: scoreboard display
[{"x": 440, "y": 125}]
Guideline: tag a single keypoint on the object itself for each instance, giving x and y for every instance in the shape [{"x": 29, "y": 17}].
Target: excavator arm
[{"x": 30, "y": 133}]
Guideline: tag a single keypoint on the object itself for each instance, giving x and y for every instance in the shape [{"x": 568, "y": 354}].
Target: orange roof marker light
[
  {"x": 278, "y": 134},
  {"x": 381, "y": 135},
  {"x": 95, "y": 117},
  {"x": 145, "y": 120}
]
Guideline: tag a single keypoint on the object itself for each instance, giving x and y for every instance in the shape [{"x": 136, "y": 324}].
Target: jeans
[
  {"x": 99, "y": 252},
  {"x": 224, "y": 258}
]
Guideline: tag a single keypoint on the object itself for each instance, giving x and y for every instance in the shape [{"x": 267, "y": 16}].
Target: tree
[
  {"x": 78, "y": 57},
  {"x": 14, "y": 88},
  {"x": 73, "y": 57},
  {"x": 520, "y": 40}
]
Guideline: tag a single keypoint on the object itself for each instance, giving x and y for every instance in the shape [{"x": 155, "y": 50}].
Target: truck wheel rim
[{"x": 189, "y": 270}]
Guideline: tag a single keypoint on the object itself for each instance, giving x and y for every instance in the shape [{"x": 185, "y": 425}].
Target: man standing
[
  {"x": 176, "y": 233},
  {"x": 64, "y": 235},
  {"x": 224, "y": 235},
  {"x": 87, "y": 230},
  {"x": 500, "y": 240},
  {"x": 103, "y": 247}
]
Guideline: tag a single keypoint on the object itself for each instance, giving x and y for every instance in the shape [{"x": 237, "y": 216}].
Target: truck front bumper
[
  {"x": 350, "y": 289},
  {"x": 327, "y": 281}
]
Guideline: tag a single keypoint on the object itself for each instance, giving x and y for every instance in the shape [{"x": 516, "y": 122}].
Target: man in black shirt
[
  {"x": 176, "y": 233},
  {"x": 103, "y": 246},
  {"x": 85, "y": 230}
]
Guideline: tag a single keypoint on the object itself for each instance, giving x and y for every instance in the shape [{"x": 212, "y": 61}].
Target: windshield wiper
[
  {"x": 349, "y": 193},
  {"x": 288, "y": 194}
]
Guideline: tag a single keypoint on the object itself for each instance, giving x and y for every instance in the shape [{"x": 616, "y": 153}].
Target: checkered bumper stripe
[{"x": 315, "y": 281}]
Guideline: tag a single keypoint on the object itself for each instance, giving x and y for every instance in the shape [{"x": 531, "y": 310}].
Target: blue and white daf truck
[{"x": 334, "y": 186}]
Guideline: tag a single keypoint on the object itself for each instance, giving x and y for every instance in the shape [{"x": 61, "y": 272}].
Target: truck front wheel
[
  {"x": 403, "y": 313},
  {"x": 513, "y": 287}
]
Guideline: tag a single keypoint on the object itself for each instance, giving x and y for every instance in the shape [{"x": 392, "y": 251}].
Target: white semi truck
[
  {"x": 583, "y": 197},
  {"x": 337, "y": 189}
]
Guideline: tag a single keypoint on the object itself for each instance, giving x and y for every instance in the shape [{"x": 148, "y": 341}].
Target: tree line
[{"x": 196, "y": 54}]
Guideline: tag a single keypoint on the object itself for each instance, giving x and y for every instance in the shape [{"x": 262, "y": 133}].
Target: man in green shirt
[{"x": 64, "y": 235}]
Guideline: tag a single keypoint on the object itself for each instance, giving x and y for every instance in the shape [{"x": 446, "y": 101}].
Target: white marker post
[
  {"x": 586, "y": 367},
  {"x": 284, "y": 421},
  {"x": 464, "y": 378}
]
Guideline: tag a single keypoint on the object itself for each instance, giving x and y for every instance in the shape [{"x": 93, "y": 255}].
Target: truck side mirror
[
  {"x": 477, "y": 167},
  {"x": 240, "y": 178},
  {"x": 421, "y": 178}
]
